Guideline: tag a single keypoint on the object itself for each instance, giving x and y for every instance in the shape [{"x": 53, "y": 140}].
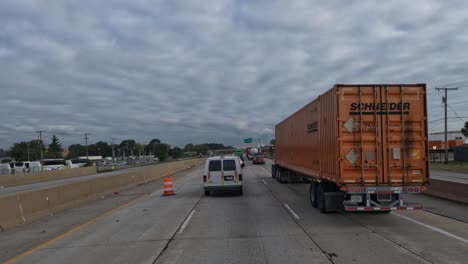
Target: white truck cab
[{"x": 222, "y": 173}]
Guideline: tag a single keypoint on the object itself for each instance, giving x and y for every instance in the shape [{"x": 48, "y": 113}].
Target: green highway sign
[{"x": 247, "y": 140}]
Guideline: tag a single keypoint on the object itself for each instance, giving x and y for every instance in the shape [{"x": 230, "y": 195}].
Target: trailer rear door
[{"x": 382, "y": 134}]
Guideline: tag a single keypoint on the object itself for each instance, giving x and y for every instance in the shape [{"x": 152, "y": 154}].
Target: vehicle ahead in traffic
[
  {"x": 360, "y": 145},
  {"x": 53, "y": 164},
  {"x": 258, "y": 159},
  {"x": 222, "y": 173}
]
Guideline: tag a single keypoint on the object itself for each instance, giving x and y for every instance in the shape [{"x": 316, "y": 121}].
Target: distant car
[
  {"x": 258, "y": 159},
  {"x": 222, "y": 173}
]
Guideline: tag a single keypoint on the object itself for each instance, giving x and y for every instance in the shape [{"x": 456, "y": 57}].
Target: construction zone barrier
[
  {"x": 24, "y": 207},
  {"x": 168, "y": 187}
]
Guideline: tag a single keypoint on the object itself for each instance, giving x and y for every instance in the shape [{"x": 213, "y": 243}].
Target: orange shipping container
[
  {"x": 438, "y": 144},
  {"x": 358, "y": 135},
  {"x": 455, "y": 142}
]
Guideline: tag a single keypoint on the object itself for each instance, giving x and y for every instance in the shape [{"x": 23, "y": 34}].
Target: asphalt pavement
[{"x": 269, "y": 223}]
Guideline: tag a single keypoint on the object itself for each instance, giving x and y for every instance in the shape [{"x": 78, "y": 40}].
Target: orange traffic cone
[{"x": 168, "y": 186}]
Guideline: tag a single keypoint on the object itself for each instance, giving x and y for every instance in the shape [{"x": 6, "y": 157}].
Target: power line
[{"x": 456, "y": 114}]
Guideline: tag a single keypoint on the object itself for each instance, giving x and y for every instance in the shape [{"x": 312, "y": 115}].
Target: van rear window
[
  {"x": 229, "y": 165},
  {"x": 215, "y": 165}
]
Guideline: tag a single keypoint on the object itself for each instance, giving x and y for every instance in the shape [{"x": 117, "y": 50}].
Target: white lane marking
[
  {"x": 432, "y": 228},
  {"x": 264, "y": 182},
  {"x": 291, "y": 211},
  {"x": 184, "y": 225}
]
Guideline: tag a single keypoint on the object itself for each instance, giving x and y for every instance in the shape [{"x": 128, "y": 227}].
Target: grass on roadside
[{"x": 455, "y": 166}]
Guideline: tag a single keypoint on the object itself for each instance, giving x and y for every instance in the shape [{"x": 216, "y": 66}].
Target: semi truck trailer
[{"x": 360, "y": 146}]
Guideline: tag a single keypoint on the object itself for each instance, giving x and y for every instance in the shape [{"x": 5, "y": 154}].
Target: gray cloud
[{"x": 191, "y": 71}]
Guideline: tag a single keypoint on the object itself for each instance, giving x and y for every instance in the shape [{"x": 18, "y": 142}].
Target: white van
[
  {"x": 222, "y": 173},
  {"x": 32, "y": 166},
  {"x": 17, "y": 167}
]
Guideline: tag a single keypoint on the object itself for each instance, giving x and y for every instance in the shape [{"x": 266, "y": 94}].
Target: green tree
[
  {"x": 162, "y": 151},
  {"x": 176, "y": 153},
  {"x": 19, "y": 151},
  {"x": 201, "y": 149},
  {"x": 272, "y": 142},
  {"x": 55, "y": 148},
  {"x": 151, "y": 146},
  {"x": 100, "y": 148},
  {"x": 128, "y": 146},
  {"x": 76, "y": 150},
  {"x": 3, "y": 153},
  {"x": 464, "y": 130},
  {"x": 188, "y": 147}
]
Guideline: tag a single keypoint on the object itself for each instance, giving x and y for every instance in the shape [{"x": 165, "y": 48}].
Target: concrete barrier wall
[
  {"x": 25, "y": 207},
  {"x": 29, "y": 178},
  {"x": 449, "y": 190}
]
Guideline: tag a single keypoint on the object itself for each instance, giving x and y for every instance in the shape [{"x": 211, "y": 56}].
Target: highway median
[{"x": 24, "y": 207}]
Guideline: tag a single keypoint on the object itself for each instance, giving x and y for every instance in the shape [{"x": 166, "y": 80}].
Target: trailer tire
[
  {"x": 281, "y": 176},
  {"x": 313, "y": 194},
  {"x": 321, "y": 198},
  {"x": 273, "y": 171}
]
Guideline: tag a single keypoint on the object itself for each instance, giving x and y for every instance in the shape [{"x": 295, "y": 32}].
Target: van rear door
[
  {"x": 214, "y": 172},
  {"x": 230, "y": 176}
]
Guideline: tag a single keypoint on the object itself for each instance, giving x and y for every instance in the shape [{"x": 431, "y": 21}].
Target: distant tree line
[{"x": 31, "y": 150}]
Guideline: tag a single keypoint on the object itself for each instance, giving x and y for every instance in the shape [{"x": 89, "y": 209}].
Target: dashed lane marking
[
  {"x": 291, "y": 211},
  {"x": 184, "y": 225}
]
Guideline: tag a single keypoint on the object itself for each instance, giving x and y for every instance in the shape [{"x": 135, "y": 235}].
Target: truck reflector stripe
[{"x": 381, "y": 208}]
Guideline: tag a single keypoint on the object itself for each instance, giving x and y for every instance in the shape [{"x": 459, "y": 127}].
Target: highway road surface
[
  {"x": 449, "y": 176},
  {"x": 270, "y": 223}
]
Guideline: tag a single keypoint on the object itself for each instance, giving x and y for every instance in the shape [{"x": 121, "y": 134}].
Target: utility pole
[
  {"x": 42, "y": 144},
  {"x": 113, "y": 152},
  {"x": 444, "y": 101},
  {"x": 86, "y": 141}
]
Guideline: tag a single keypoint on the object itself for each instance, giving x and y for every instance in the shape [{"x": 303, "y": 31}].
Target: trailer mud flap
[{"x": 334, "y": 201}]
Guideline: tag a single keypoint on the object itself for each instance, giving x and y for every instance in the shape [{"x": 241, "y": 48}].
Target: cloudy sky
[{"x": 213, "y": 70}]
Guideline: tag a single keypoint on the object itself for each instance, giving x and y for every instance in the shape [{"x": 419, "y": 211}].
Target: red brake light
[
  {"x": 351, "y": 189},
  {"x": 410, "y": 189},
  {"x": 358, "y": 190},
  {"x": 416, "y": 189}
]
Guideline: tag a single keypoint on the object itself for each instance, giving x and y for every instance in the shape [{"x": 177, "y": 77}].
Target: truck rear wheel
[
  {"x": 321, "y": 198},
  {"x": 281, "y": 176},
  {"x": 273, "y": 171},
  {"x": 313, "y": 194}
]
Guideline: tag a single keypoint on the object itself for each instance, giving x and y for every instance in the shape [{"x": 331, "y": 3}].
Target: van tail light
[
  {"x": 240, "y": 177},
  {"x": 204, "y": 178}
]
